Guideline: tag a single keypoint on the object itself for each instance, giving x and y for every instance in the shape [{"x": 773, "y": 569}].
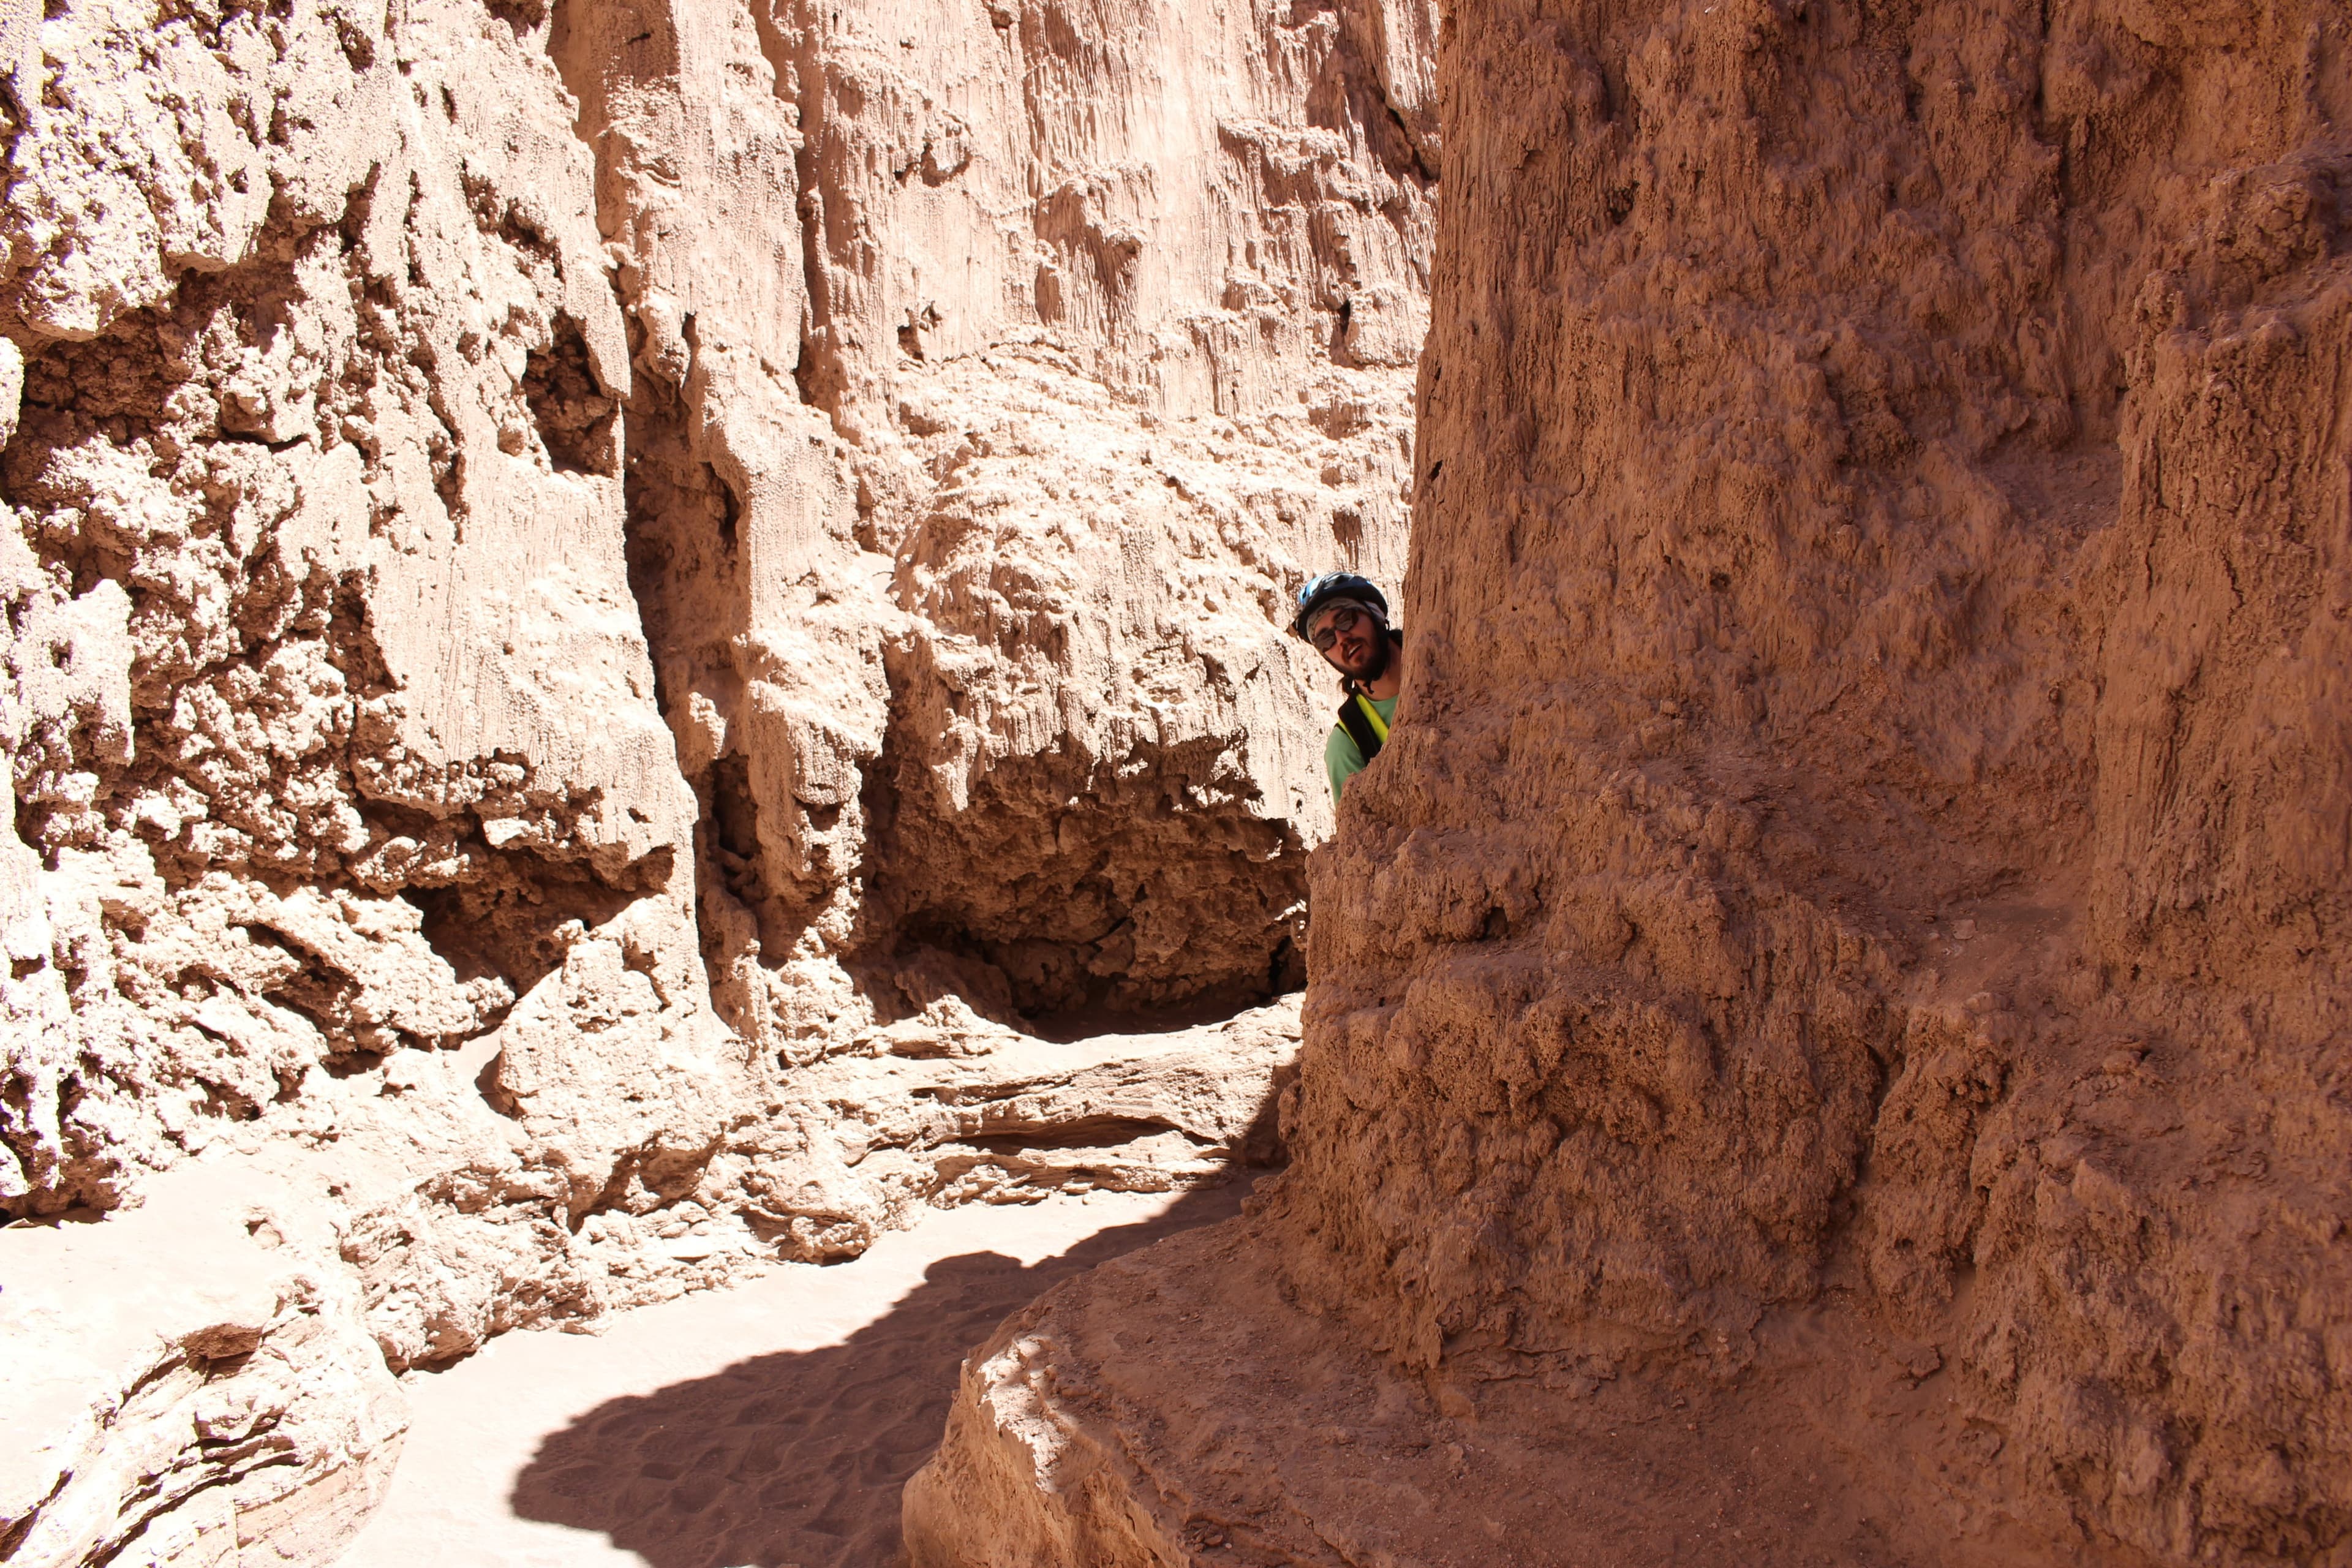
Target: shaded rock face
[
  {"x": 1848, "y": 941},
  {"x": 604, "y": 601},
  {"x": 1939, "y": 894}
]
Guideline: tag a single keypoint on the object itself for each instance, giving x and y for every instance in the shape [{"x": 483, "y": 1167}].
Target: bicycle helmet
[{"x": 1330, "y": 585}]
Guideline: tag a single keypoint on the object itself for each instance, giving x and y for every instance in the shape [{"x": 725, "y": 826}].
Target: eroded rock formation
[
  {"x": 605, "y": 601},
  {"x": 1826, "y": 1039}
]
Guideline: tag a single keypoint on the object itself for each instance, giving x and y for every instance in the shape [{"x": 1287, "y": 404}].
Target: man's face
[{"x": 1347, "y": 636}]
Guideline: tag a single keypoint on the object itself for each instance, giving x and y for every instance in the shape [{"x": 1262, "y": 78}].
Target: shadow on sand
[{"x": 796, "y": 1459}]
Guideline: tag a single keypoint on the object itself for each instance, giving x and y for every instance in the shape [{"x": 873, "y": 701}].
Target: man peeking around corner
[{"x": 1347, "y": 620}]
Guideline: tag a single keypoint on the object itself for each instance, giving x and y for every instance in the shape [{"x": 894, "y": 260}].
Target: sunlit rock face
[
  {"x": 606, "y": 601},
  {"x": 1826, "y": 1025},
  {"x": 963, "y": 537}
]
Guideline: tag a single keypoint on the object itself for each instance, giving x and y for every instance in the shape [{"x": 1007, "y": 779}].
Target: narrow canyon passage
[
  {"x": 767, "y": 1426},
  {"x": 634, "y": 632},
  {"x": 650, "y": 672}
]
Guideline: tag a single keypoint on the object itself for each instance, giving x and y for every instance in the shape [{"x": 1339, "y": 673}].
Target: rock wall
[
  {"x": 605, "y": 600},
  {"x": 1832, "y": 1004},
  {"x": 961, "y": 538}
]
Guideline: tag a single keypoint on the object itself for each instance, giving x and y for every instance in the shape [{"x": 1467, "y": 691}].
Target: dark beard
[{"x": 1379, "y": 664}]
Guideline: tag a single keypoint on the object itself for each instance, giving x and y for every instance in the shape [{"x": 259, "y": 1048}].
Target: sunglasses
[{"x": 1344, "y": 619}]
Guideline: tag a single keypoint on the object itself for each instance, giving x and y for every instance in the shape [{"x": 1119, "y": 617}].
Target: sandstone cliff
[
  {"x": 604, "y": 600},
  {"x": 1826, "y": 1038}
]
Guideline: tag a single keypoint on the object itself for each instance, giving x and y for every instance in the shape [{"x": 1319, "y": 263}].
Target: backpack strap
[{"x": 1364, "y": 724}]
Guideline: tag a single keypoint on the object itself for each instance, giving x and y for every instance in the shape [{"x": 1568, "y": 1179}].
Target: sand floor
[{"x": 771, "y": 1425}]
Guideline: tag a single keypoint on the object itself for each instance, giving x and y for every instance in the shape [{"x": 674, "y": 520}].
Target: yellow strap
[{"x": 1379, "y": 725}]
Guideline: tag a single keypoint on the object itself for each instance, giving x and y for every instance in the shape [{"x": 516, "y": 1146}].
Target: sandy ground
[{"x": 770, "y": 1425}]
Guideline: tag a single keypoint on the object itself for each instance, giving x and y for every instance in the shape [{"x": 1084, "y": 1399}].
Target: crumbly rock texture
[
  {"x": 1827, "y": 1031},
  {"x": 622, "y": 619}
]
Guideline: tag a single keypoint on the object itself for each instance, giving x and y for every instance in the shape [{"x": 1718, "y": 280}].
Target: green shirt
[{"x": 1342, "y": 758}]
